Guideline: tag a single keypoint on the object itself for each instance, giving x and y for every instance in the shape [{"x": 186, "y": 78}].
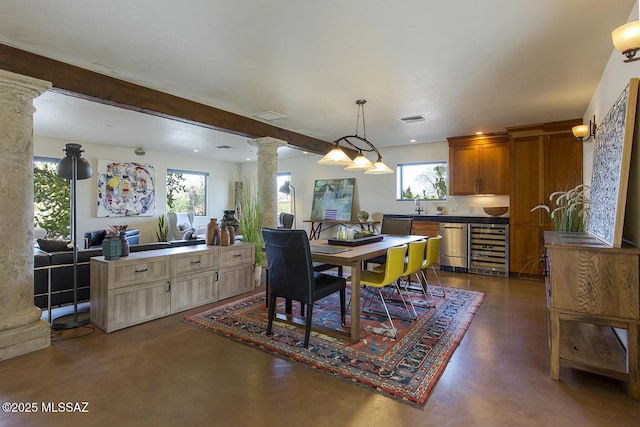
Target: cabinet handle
[
  {"x": 216, "y": 276},
  {"x": 237, "y": 255},
  {"x": 142, "y": 271},
  {"x": 195, "y": 262},
  {"x": 168, "y": 286}
]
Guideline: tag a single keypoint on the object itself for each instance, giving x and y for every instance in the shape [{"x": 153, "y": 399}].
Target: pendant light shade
[{"x": 335, "y": 157}]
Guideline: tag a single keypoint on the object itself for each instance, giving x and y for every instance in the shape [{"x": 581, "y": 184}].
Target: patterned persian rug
[{"x": 405, "y": 368}]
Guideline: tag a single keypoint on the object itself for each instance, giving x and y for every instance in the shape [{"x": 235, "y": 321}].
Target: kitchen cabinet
[
  {"x": 479, "y": 164},
  {"x": 425, "y": 228},
  {"x": 545, "y": 158}
]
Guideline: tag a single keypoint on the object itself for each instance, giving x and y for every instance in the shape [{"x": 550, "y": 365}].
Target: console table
[
  {"x": 151, "y": 284},
  {"x": 316, "y": 225},
  {"x": 592, "y": 289}
]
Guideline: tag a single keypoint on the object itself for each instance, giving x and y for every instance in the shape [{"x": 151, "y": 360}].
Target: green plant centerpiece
[
  {"x": 250, "y": 221},
  {"x": 569, "y": 210}
]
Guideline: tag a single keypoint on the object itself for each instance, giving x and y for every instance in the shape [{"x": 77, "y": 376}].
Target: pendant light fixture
[{"x": 337, "y": 157}]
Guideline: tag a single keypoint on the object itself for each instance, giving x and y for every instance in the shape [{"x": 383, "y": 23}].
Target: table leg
[
  {"x": 316, "y": 228},
  {"x": 356, "y": 270}
]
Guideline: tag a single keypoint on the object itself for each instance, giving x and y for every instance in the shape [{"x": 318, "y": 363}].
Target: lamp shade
[
  {"x": 335, "y": 157},
  {"x": 627, "y": 36},
  {"x": 379, "y": 168},
  {"x": 580, "y": 131},
  {"x": 360, "y": 163},
  {"x": 285, "y": 188},
  {"x": 64, "y": 169}
]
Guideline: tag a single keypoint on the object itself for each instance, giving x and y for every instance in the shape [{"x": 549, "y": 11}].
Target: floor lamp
[
  {"x": 73, "y": 167},
  {"x": 287, "y": 188}
]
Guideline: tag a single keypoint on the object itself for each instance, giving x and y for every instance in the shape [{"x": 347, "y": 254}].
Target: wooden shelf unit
[{"x": 591, "y": 289}]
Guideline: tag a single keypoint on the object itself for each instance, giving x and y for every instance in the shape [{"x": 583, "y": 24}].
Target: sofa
[
  {"x": 54, "y": 270},
  {"x": 94, "y": 239}
]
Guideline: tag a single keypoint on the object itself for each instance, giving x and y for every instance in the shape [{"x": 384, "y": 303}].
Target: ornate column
[
  {"x": 267, "y": 177},
  {"x": 21, "y": 330}
]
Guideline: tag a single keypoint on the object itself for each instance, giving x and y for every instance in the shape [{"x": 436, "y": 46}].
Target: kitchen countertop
[{"x": 471, "y": 219}]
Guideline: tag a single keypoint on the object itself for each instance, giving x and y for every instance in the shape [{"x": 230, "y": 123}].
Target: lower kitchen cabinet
[
  {"x": 425, "y": 228},
  {"x": 152, "y": 284}
]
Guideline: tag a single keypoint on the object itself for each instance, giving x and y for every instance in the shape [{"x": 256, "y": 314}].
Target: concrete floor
[{"x": 167, "y": 373}]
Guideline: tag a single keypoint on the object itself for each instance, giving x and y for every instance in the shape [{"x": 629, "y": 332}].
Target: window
[
  {"x": 426, "y": 181},
  {"x": 51, "y": 203},
  {"x": 284, "y": 200},
  {"x": 187, "y": 191}
]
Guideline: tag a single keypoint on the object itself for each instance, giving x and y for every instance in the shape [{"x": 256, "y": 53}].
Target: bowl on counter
[{"x": 496, "y": 210}]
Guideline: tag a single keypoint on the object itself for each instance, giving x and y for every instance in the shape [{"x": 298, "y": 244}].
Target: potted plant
[
  {"x": 163, "y": 229},
  {"x": 569, "y": 209},
  {"x": 250, "y": 225}
]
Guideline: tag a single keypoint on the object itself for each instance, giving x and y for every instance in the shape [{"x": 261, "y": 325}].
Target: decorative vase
[
  {"x": 232, "y": 236},
  {"x": 230, "y": 219},
  {"x": 213, "y": 232},
  {"x": 224, "y": 235},
  {"x": 111, "y": 247},
  {"x": 257, "y": 275},
  {"x": 363, "y": 216},
  {"x": 124, "y": 245}
]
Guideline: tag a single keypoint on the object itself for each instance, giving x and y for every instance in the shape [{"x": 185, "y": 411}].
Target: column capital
[
  {"x": 23, "y": 83},
  {"x": 267, "y": 143}
]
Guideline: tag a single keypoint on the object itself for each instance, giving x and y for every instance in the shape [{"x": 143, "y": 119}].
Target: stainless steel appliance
[
  {"x": 489, "y": 249},
  {"x": 454, "y": 246}
]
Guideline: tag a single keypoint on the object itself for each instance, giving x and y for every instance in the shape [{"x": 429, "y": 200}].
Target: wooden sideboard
[
  {"x": 592, "y": 289},
  {"x": 151, "y": 284}
]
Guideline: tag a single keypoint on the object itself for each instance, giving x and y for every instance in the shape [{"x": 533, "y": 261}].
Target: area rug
[{"x": 405, "y": 368}]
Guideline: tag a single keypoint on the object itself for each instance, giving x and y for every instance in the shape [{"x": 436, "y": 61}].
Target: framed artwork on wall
[
  {"x": 611, "y": 162},
  {"x": 125, "y": 189},
  {"x": 333, "y": 199}
]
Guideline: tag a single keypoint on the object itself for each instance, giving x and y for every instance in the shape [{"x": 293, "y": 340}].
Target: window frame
[
  {"x": 400, "y": 184},
  {"x": 191, "y": 172}
]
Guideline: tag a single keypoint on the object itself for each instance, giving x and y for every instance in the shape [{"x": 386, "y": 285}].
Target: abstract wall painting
[
  {"x": 333, "y": 198},
  {"x": 125, "y": 189},
  {"x": 611, "y": 162}
]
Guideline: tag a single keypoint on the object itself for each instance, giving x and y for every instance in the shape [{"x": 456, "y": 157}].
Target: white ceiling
[{"x": 467, "y": 65}]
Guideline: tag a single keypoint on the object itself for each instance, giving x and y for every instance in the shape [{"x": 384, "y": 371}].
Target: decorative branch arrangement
[{"x": 569, "y": 210}]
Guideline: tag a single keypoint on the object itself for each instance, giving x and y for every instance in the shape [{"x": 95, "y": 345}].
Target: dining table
[{"x": 351, "y": 254}]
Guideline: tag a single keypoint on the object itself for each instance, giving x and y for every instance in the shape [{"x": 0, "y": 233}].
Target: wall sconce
[
  {"x": 337, "y": 157},
  {"x": 582, "y": 131},
  {"x": 626, "y": 39}
]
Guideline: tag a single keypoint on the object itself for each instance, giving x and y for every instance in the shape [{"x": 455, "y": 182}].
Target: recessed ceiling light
[
  {"x": 270, "y": 116},
  {"x": 195, "y": 150},
  {"x": 412, "y": 140},
  {"x": 479, "y": 133}
]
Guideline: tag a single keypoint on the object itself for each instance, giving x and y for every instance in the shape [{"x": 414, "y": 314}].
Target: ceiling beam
[{"x": 85, "y": 84}]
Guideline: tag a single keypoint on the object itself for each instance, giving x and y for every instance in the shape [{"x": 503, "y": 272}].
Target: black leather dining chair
[{"x": 291, "y": 275}]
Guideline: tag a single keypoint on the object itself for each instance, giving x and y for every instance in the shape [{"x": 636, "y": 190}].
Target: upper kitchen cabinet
[{"x": 479, "y": 164}]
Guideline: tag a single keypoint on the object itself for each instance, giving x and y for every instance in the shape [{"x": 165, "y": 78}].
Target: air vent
[
  {"x": 414, "y": 119},
  {"x": 270, "y": 116}
]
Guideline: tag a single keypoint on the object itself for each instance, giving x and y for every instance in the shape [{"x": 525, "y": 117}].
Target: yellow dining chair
[
  {"x": 394, "y": 267},
  {"x": 432, "y": 255}
]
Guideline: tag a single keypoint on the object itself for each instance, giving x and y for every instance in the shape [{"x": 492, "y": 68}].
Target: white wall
[
  {"x": 221, "y": 178},
  {"x": 615, "y": 79},
  {"x": 376, "y": 194}
]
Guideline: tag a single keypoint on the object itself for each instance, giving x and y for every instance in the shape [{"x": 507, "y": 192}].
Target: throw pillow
[
  {"x": 114, "y": 230},
  {"x": 54, "y": 245},
  {"x": 184, "y": 227}
]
